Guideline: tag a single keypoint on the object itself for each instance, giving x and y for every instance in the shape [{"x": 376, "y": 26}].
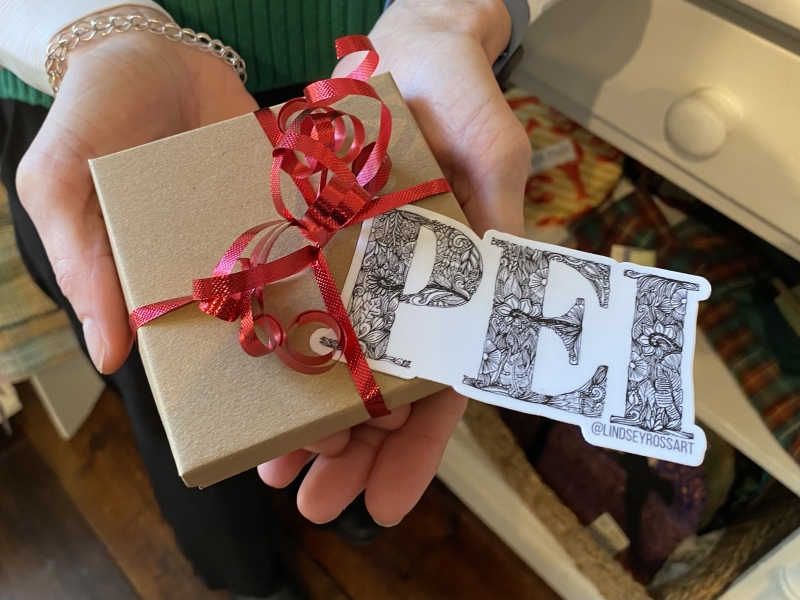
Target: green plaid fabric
[{"x": 739, "y": 318}]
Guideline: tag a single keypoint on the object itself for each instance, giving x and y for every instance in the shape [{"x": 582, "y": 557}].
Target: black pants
[{"x": 226, "y": 530}]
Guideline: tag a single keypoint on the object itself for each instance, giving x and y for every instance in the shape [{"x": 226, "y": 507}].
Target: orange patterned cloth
[{"x": 558, "y": 195}]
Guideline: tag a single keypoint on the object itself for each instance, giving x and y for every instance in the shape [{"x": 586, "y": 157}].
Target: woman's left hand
[{"x": 440, "y": 53}]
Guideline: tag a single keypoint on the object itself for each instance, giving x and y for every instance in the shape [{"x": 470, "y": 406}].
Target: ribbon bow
[{"x": 349, "y": 179}]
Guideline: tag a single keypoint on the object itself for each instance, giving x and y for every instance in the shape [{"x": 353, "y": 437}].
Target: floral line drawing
[
  {"x": 654, "y": 397},
  {"x": 380, "y": 283},
  {"x": 509, "y": 352},
  {"x": 587, "y": 400}
]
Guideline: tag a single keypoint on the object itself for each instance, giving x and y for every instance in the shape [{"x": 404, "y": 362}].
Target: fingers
[
  {"x": 341, "y": 470},
  {"x": 395, "y": 467},
  {"x": 394, "y": 458},
  {"x": 280, "y": 472},
  {"x": 332, "y": 445},
  {"x": 334, "y": 482},
  {"x": 410, "y": 456},
  {"x": 56, "y": 189},
  {"x": 394, "y": 420},
  {"x": 491, "y": 184},
  {"x": 101, "y": 109}
]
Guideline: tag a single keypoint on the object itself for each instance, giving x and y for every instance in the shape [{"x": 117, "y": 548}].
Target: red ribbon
[{"x": 309, "y": 138}]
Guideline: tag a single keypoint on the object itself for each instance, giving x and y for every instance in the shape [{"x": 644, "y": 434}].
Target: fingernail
[
  {"x": 94, "y": 343},
  {"x": 387, "y": 525},
  {"x": 322, "y": 521}
]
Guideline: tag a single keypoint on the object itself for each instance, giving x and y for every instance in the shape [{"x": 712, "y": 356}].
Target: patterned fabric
[
  {"x": 283, "y": 42},
  {"x": 33, "y": 331},
  {"x": 739, "y": 318},
  {"x": 560, "y": 194}
]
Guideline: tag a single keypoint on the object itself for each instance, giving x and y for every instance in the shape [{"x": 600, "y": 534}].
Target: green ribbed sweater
[{"x": 283, "y": 42}]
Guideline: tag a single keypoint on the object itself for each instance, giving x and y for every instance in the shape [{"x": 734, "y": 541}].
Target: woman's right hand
[{"x": 118, "y": 92}]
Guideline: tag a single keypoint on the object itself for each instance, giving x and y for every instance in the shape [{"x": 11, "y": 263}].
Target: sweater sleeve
[
  {"x": 523, "y": 13},
  {"x": 28, "y": 27}
]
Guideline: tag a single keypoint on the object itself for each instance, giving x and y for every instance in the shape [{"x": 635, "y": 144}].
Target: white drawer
[{"x": 617, "y": 66}]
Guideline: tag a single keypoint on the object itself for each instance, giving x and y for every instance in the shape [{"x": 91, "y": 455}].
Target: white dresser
[{"x": 707, "y": 93}]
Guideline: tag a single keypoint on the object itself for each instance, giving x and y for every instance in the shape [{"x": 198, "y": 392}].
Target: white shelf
[
  {"x": 68, "y": 389},
  {"x": 471, "y": 476},
  {"x": 774, "y": 577}
]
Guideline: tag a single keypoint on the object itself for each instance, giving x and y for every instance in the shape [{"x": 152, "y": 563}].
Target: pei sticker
[{"x": 529, "y": 326}]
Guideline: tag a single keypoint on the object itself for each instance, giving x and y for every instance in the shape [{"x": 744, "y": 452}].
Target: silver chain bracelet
[{"x": 83, "y": 31}]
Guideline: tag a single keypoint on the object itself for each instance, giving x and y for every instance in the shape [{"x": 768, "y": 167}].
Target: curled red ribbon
[{"x": 349, "y": 179}]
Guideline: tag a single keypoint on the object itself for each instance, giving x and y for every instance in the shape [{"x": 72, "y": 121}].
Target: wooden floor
[{"x": 78, "y": 521}]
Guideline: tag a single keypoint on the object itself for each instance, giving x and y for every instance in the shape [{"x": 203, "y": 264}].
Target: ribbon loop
[{"x": 310, "y": 138}]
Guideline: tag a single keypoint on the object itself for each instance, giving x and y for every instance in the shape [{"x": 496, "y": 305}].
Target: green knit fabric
[
  {"x": 283, "y": 42},
  {"x": 12, "y": 87}
]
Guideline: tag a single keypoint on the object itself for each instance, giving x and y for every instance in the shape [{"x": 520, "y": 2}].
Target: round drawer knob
[{"x": 697, "y": 125}]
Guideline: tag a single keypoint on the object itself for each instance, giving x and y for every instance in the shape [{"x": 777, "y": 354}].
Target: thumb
[
  {"x": 55, "y": 187},
  {"x": 490, "y": 184}
]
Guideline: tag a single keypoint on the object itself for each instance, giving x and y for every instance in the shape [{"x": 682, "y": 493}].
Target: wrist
[
  {"x": 138, "y": 30},
  {"x": 123, "y": 9},
  {"x": 485, "y": 21},
  {"x": 27, "y": 28},
  {"x": 126, "y": 9}
]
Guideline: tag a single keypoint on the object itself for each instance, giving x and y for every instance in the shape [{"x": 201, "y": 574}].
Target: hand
[
  {"x": 118, "y": 92},
  {"x": 440, "y": 53}
]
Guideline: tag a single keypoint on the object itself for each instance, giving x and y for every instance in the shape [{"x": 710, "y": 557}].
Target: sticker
[{"x": 532, "y": 327}]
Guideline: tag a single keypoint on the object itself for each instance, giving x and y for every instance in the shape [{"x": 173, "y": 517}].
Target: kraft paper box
[{"x": 172, "y": 208}]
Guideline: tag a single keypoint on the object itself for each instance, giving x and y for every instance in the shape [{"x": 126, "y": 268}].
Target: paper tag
[
  {"x": 608, "y": 534},
  {"x": 553, "y": 156},
  {"x": 639, "y": 256},
  {"x": 529, "y": 326}
]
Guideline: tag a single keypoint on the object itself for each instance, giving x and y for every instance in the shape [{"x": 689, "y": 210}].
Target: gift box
[{"x": 172, "y": 208}]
